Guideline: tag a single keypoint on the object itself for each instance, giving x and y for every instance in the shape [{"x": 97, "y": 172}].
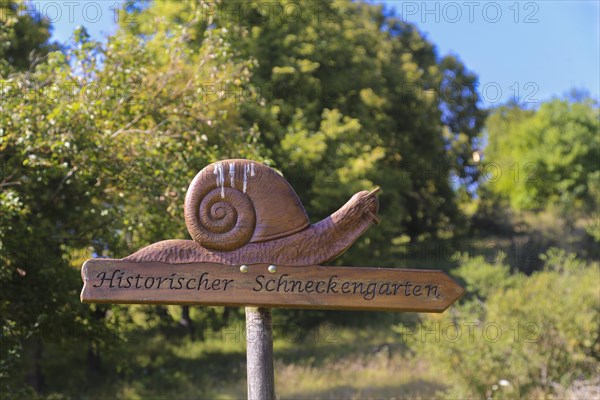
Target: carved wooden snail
[{"x": 243, "y": 212}]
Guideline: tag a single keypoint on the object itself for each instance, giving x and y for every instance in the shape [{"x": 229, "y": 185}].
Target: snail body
[{"x": 243, "y": 212}]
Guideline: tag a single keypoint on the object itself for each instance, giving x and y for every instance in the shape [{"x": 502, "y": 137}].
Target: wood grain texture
[
  {"x": 315, "y": 287},
  {"x": 241, "y": 211}
]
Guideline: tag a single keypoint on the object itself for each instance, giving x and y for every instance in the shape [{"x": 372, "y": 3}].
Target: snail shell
[
  {"x": 235, "y": 202},
  {"x": 243, "y": 212}
]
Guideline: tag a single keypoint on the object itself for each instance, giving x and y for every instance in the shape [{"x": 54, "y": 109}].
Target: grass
[
  {"x": 379, "y": 375},
  {"x": 345, "y": 363},
  {"x": 325, "y": 363}
]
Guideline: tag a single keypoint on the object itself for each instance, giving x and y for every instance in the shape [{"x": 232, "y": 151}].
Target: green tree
[
  {"x": 348, "y": 97},
  {"x": 542, "y": 168},
  {"x": 23, "y": 36},
  {"x": 97, "y": 148},
  {"x": 544, "y": 157}
]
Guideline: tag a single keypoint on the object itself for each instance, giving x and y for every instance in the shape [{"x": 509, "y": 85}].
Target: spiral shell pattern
[
  {"x": 219, "y": 218},
  {"x": 232, "y": 203}
]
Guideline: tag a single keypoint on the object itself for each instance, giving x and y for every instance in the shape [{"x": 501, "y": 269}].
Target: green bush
[{"x": 515, "y": 336}]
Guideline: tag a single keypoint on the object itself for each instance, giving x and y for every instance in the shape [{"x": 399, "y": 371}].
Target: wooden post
[{"x": 259, "y": 354}]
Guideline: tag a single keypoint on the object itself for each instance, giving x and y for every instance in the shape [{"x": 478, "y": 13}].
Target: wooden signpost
[
  {"x": 336, "y": 288},
  {"x": 253, "y": 246}
]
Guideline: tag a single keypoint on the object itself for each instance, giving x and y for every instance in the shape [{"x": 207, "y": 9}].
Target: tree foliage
[
  {"x": 23, "y": 36},
  {"x": 545, "y": 157},
  {"x": 516, "y": 336},
  {"x": 347, "y": 97},
  {"x": 98, "y": 147}
]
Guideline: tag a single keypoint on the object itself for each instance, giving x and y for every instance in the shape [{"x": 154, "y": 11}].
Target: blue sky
[{"x": 525, "y": 51}]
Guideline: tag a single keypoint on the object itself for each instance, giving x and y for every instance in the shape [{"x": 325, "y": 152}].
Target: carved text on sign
[{"x": 118, "y": 281}]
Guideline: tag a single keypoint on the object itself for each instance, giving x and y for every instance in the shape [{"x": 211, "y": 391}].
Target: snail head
[{"x": 367, "y": 203}]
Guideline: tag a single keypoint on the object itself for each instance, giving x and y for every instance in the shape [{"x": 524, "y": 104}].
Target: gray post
[{"x": 259, "y": 354}]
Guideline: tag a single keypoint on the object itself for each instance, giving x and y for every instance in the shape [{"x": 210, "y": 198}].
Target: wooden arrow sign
[
  {"x": 243, "y": 212},
  {"x": 319, "y": 287}
]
